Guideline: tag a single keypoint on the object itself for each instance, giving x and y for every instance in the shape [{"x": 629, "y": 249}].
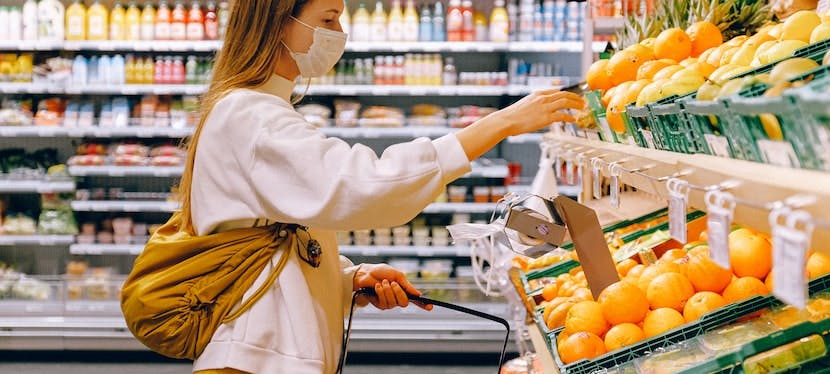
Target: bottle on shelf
[
  {"x": 361, "y": 24},
  {"x": 195, "y": 22},
  {"x": 436, "y": 69},
  {"x": 481, "y": 31},
  {"x": 394, "y": 30},
  {"x": 148, "y": 71},
  {"x": 130, "y": 70},
  {"x": 449, "y": 75},
  {"x": 548, "y": 20},
  {"x": 30, "y": 20},
  {"x": 118, "y": 22},
  {"x": 97, "y": 17},
  {"x": 148, "y": 21},
  {"x": 117, "y": 70},
  {"x": 178, "y": 74},
  {"x": 4, "y": 20},
  {"x": 104, "y": 70},
  {"x": 133, "y": 19},
  {"x": 468, "y": 15},
  {"x": 538, "y": 22},
  {"x": 455, "y": 22},
  {"x": 163, "y": 19},
  {"x": 526, "y": 21},
  {"x": 379, "y": 24},
  {"x": 167, "y": 70},
  {"x": 211, "y": 22},
  {"x": 178, "y": 22},
  {"x": 222, "y": 15},
  {"x": 50, "y": 20},
  {"x": 410, "y": 22},
  {"x": 15, "y": 23},
  {"x": 346, "y": 19},
  {"x": 439, "y": 27},
  {"x": 76, "y": 21},
  {"x": 425, "y": 27},
  {"x": 513, "y": 20},
  {"x": 499, "y": 23},
  {"x": 379, "y": 71},
  {"x": 79, "y": 71},
  {"x": 158, "y": 71},
  {"x": 92, "y": 70},
  {"x": 190, "y": 70}
]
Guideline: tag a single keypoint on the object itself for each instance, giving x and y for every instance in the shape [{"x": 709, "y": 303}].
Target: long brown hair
[{"x": 247, "y": 59}]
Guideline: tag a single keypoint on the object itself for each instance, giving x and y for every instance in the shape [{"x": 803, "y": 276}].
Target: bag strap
[{"x": 264, "y": 287}]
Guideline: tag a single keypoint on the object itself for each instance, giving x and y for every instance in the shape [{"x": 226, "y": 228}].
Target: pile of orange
[{"x": 651, "y": 300}]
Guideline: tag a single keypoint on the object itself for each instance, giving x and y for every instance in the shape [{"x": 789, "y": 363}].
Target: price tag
[
  {"x": 719, "y": 145},
  {"x": 347, "y": 91},
  {"x": 7, "y": 131},
  {"x": 778, "y": 153},
  {"x": 605, "y": 128},
  {"x": 649, "y": 138},
  {"x": 790, "y": 241},
  {"x": 824, "y": 151},
  {"x": 570, "y": 173},
  {"x": 720, "y": 207},
  {"x": 380, "y": 91},
  {"x": 678, "y": 199},
  {"x": 457, "y": 47},
  {"x": 615, "y": 184},
  {"x": 417, "y": 91},
  {"x": 584, "y": 180},
  {"x": 557, "y": 168},
  {"x": 595, "y": 178}
]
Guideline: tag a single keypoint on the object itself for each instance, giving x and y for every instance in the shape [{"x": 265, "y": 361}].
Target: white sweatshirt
[{"x": 258, "y": 158}]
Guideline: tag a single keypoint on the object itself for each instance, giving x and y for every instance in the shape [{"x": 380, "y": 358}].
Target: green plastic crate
[
  {"x": 680, "y": 135},
  {"x": 814, "y": 110},
  {"x": 594, "y": 99},
  {"x": 636, "y": 119},
  {"x": 813, "y": 51},
  {"x": 711, "y": 115}
]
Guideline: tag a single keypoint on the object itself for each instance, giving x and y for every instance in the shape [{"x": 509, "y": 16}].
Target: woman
[{"x": 254, "y": 160}]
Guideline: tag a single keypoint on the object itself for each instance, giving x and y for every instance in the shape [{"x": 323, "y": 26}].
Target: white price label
[
  {"x": 615, "y": 191},
  {"x": 606, "y": 129},
  {"x": 778, "y": 153},
  {"x": 557, "y": 167},
  {"x": 719, "y": 145},
  {"x": 649, "y": 138},
  {"x": 720, "y": 207},
  {"x": 789, "y": 254},
  {"x": 678, "y": 199},
  {"x": 597, "y": 182},
  {"x": 570, "y": 173}
]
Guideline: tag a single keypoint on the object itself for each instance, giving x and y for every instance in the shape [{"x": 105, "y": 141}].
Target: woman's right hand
[{"x": 539, "y": 110}]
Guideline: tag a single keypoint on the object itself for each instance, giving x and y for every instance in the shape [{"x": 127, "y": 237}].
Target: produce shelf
[
  {"x": 460, "y": 208},
  {"x": 125, "y": 171},
  {"x": 124, "y": 206},
  {"x": 39, "y": 240},
  {"x": 39, "y": 186}
]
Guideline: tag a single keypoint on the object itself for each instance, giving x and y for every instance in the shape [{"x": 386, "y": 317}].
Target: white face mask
[{"x": 327, "y": 46}]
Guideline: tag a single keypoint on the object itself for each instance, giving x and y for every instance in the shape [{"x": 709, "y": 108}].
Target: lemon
[
  {"x": 789, "y": 69},
  {"x": 800, "y": 25},
  {"x": 820, "y": 33}
]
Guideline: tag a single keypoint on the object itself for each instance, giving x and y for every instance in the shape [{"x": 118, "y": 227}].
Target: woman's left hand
[{"x": 390, "y": 285}]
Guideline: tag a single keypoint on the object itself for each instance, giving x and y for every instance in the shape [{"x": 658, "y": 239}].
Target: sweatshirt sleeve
[
  {"x": 348, "y": 269},
  {"x": 299, "y": 175}
]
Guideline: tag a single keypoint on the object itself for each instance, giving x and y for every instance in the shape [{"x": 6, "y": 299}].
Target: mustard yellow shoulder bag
[{"x": 182, "y": 287}]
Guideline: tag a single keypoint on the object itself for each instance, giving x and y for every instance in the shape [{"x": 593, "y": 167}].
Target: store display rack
[
  {"x": 176, "y": 171},
  {"x": 39, "y": 186},
  {"x": 346, "y": 250}
]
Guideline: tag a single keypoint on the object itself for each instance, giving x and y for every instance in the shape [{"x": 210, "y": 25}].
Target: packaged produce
[
  {"x": 673, "y": 359},
  {"x": 18, "y": 286},
  {"x": 381, "y": 116},
  {"x": 57, "y": 222},
  {"x": 19, "y": 224},
  {"x": 787, "y": 356},
  {"x": 730, "y": 338},
  {"x": 346, "y": 113},
  {"x": 316, "y": 114}
]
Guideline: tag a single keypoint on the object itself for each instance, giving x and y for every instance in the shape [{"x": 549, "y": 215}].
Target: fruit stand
[{"x": 730, "y": 129}]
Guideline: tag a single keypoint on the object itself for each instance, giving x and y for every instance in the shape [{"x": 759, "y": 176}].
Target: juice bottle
[
  {"x": 394, "y": 32},
  {"x": 163, "y": 18},
  {"x": 30, "y": 20},
  {"x": 148, "y": 21},
  {"x": 455, "y": 22},
  {"x": 178, "y": 74},
  {"x": 410, "y": 22},
  {"x": 468, "y": 29},
  {"x": 97, "y": 20},
  {"x": 158, "y": 71},
  {"x": 149, "y": 70},
  {"x": 361, "y": 24},
  {"x": 480, "y": 23},
  {"x": 211, "y": 22},
  {"x": 133, "y": 18},
  {"x": 222, "y": 15},
  {"x": 167, "y": 70},
  {"x": 76, "y": 21},
  {"x": 178, "y": 23},
  {"x": 499, "y": 23},
  {"x": 425, "y": 29},
  {"x": 118, "y": 22},
  {"x": 117, "y": 70},
  {"x": 439, "y": 28},
  {"x": 379, "y": 24},
  {"x": 15, "y": 23},
  {"x": 129, "y": 70},
  {"x": 346, "y": 19},
  {"x": 195, "y": 22},
  {"x": 50, "y": 20}
]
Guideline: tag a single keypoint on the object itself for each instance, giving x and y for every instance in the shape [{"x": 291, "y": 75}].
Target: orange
[
  {"x": 579, "y": 346},
  {"x": 648, "y": 42},
  {"x": 670, "y": 290},
  {"x": 597, "y": 76},
  {"x": 818, "y": 264},
  {"x": 769, "y": 282},
  {"x": 704, "y": 35},
  {"x": 702, "y": 303},
  {"x": 623, "y": 302},
  {"x": 649, "y": 68},
  {"x": 551, "y": 305},
  {"x": 704, "y": 236},
  {"x": 575, "y": 271},
  {"x": 622, "y": 335},
  {"x": 614, "y": 113},
  {"x": 636, "y": 271},
  {"x": 705, "y": 274},
  {"x": 749, "y": 254},
  {"x": 674, "y": 44},
  {"x": 624, "y": 266},
  {"x": 643, "y": 52},
  {"x": 634, "y": 90},
  {"x": 550, "y": 291},
  {"x": 672, "y": 254},
  {"x": 582, "y": 294},
  {"x": 654, "y": 271},
  {"x": 557, "y": 316},
  {"x": 622, "y": 67},
  {"x": 587, "y": 316},
  {"x": 661, "y": 320},
  {"x": 743, "y": 288},
  {"x": 606, "y": 99}
]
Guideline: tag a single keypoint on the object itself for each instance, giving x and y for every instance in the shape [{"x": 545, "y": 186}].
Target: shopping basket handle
[{"x": 426, "y": 301}]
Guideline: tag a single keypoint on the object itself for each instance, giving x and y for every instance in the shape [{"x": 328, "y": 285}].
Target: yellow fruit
[
  {"x": 648, "y": 69},
  {"x": 731, "y": 87},
  {"x": 643, "y": 52},
  {"x": 634, "y": 90},
  {"x": 622, "y": 335},
  {"x": 775, "y": 31},
  {"x": 649, "y": 42},
  {"x": 704, "y": 35},
  {"x": 661, "y": 320},
  {"x": 651, "y": 92},
  {"x": 674, "y": 44},
  {"x": 704, "y": 68},
  {"x": 718, "y": 74},
  {"x": 736, "y": 41},
  {"x": 705, "y": 55},
  {"x": 623, "y": 302},
  {"x": 683, "y": 82},
  {"x": 786, "y": 70},
  {"x": 726, "y": 56},
  {"x": 597, "y": 76},
  {"x": 556, "y": 317},
  {"x": 549, "y": 291},
  {"x": 688, "y": 62},
  {"x": 708, "y": 91},
  {"x": 780, "y": 50},
  {"x": 800, "y": 25},
  {"x": 771, "y": 125},
  {"x": 622, "y": 67},
  {"x": 820, "y": 33},
  {"x": 667, "y": 72},
  {"x": 587, "y": 316},
  {"x": 744, "y": 55},
  {"x": 613, "y": 113}
]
